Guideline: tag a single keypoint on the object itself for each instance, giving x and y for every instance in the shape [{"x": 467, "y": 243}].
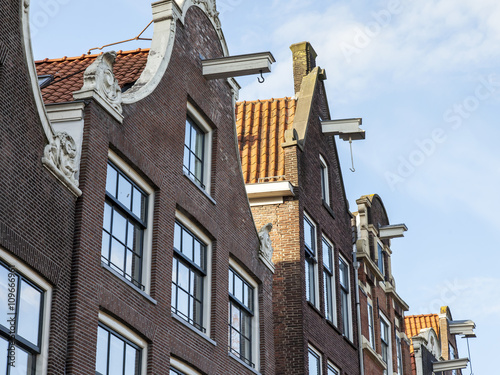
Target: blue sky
[{"x": 424, "y": 76}]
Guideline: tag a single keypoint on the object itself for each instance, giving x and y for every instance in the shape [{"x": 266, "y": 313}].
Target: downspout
[{"x": 355, "y": 264}]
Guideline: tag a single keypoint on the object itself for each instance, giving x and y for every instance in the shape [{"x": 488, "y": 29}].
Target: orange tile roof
[
  {"x": 414, "y": 323},
  {"x": 68, "y": 72},
  {"x": 261, "y": 129}
]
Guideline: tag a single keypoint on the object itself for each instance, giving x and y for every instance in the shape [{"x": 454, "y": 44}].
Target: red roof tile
[
  {"x": 261, "y": 129},
  {"x": 68, "y": 72},
  {"x": 414, "y": 323}
]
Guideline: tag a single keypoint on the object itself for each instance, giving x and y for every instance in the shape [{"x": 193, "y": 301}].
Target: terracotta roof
[
  {"x": 414, "y": 323},
  {"x": 261, "y": 129},
  {"x": 68, "y": 72}
]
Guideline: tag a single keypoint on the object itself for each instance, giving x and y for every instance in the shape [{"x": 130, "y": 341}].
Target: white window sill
[
  {"x": 130, "y": 284},
  {"x": 243, "y": 363},
  {"x": 192, "y": 328},
  {"x": 199, "y": 187}
]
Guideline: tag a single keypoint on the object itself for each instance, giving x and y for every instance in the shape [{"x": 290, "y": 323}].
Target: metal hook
[
  {"x": 261, "y": 78},
  {"x": 352, "y": 159}
]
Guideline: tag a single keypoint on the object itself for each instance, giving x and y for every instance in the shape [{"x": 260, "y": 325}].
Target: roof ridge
[
  {"x": 286, "y": 98},
  {"x": 84, "y": 56}
]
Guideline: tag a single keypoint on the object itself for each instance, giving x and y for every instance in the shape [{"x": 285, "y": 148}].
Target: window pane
[
  {"x": 199, "y": 144},
  {"x": 177, "y": 237},
  {"x": 183, "y": 276},
  {"x": 327, "y": 256},
  {"x": 107, "y": 217},
  {"x": 308, "y": 234},
  {"x": 187, "y": 244},
  {"x": 4, "y": 346},
  {"x": 117, "y": 255},
  {"x": 332, "y": 371},
  {"x": 238, "y": 289},
  {"x": 314, "y": 363},
  {"x": 308, "y": 282},
  {"x": 105, "y": 245},
  {"x": 111, "y": 181},
  {"x": 124, "y": 191},
  {"x": 182, "y": 303},
  {"x": 24, "y": 361},
  {"x": 116, "y": 353},
  {"x": 139, "y": 204},
  {"x": 119, "y": 226},
  {"x": 29, "y": 313},
  {"x": 102, "y": 350},
  {"x": 131, "y": 360}
]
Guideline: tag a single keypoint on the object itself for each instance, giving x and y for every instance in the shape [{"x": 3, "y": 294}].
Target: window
[
  {"x": 197, "y": 146},
  {"x": 180, "y": 368},
  {"x": 332, "y": 370},
  {"x": 189, "y": 276},
  {"x": 311, "y": 261},
  {"x": 21, "y": 325},
  {"x": 325, "y": 190},
  {"x": 380, "y": 260},
  {"x": 452, "y": 356},
  {"x": 345, "y": 298},
  {"x": 385, "y": 344},
  {"x": 243, "y": 336},
  {"x": 126, "y": 239},
  {"x": 329, "y": 280},
  {"x": 371, "y": 327},
  {"x": 119, "y": 350},
  {"x": 314, "y": 362},
  {"x": 399, "y": 354}
]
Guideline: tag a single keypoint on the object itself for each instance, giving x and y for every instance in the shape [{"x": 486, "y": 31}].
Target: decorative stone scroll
[
  {"x": 59, "y": 157},
  {"x": 266, "y": 248},
  {"x": 99, "y": 78}
]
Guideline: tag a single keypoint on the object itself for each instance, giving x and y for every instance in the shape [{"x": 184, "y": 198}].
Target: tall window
[
  {"x": 188, "y": 276},
  {"x": 332, "y": 370},
  {"x": 371, "y": 327},
  {"x": 116, "y": 355},
  {"x": 329, "y": 280},
  {"x": 314, "y": 362},
  {"x": 385, "y": 344},
  {"x": 311, "y": 260},
  {"x": 194, "y": 152},
  {"x": 380, "y": 261},
  {"x": 241, "y": 312},
  {"x": 399, "y": 354},
  {"x": 125, "y": 212},
  {"x": 345, "y": 299},
  {"x": 21, "y": 299},
  {"x": 325, "y": 191}
]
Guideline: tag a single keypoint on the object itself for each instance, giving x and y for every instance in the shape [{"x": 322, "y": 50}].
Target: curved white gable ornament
[
  {"x": 99, "y": 79},
  {"x": 266, "y": 248},
  {"x": 166, "y": 13},
  {"x": 59, "y": 157}
]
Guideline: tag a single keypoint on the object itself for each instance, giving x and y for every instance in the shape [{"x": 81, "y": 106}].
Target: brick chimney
[{"x": 304, "y": 61}]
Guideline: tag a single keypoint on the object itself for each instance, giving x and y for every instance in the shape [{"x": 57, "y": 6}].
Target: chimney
[{"x": 304, "y": 61}]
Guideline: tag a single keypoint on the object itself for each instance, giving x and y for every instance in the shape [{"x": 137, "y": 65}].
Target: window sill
[
  {"x": 197, "y": 331},
  {"x": 199, "y": 188},
  {"x": 243, "y": 363},
  {"x": 328, "y": 208},
  {"x": 138, "y": 290}
]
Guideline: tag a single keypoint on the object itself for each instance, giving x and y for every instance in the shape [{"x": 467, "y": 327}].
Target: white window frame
[
  {"x": 389, "y": 348},
  {"x": 207, "y": 283},
  {"x": 28, "y": 273},
  {"x": 255, "y": 320},
  {"x": 399, "y": 354},
  {"x": 314, "y": 259},
  {"x": 320, "y": 359},
  {"x": 325, "y": 187},
  {"x": 181, "y": 366},
  {"x": 147, "y": 245},
  {"x": 333, "y": 279},
  {"x": 371, "y": 324},
  {"x": 349, "y": 334},
  {"x": 330, "y": 366},
  {"x": 196, "y": 116},
  {"x": 127, "y": 333},
  {"x": 379, "y": 254}
]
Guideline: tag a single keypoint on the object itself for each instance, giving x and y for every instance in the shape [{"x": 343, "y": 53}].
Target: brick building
[
  {"x": 124, "y": 211},
  {"x": 294, "y": 182},
  {"x": 384, "y": 342},
  {"x": 434, "y": 342}
]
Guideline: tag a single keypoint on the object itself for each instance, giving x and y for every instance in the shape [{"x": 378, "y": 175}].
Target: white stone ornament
[{"x": 266, "y": 248}]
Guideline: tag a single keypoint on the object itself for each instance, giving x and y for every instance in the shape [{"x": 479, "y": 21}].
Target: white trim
[
  {"x": 334, "y": 278},
  {"x": 255, "y": 320},
  {"x": 310, "y": 347},
  {"x": 324, "y": 166},
  {"x": 316, "y": 265},
  {"x": 147, "y": 246},
  {"x": 349, "y": 298},
  {"x": 129, "y": 335},
  {"x": 181, "y": 366},
  {"x": 196, "y": 116},
  {"x": 207, "y": 284},
  {"x": 335, "y": 368},
  {"x": 42, "y": 358}
]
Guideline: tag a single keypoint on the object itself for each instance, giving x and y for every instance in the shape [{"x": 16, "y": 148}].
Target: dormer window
[{"x": 44, "y": 80}]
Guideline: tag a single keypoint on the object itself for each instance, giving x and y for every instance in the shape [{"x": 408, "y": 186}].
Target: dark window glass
[
  {"x": 194, "y": 148},
  {"x": 328, "y": 279},
  {"x": 310, "y": 266},
  {"x": 115, "y": 354},
  {"x": 380, "y": 259},
  {"x": 344, "y": 297}
]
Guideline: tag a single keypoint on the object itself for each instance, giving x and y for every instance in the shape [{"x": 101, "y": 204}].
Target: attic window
[
  {"x": 127, "y": 86},
  {"x": 44, "y": 80}
]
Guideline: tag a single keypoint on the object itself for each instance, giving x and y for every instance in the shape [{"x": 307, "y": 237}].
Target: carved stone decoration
[
  {"x": 59, "y": 158},
  {"x": 99, "y": 77},
  {"x": 211, "y": 10},
  {"x": 26, "y": 4},
  {"x": 266, "y": 248}
]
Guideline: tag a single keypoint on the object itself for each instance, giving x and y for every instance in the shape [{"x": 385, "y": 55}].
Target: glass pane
[
  {"x": 4, "y": 346},
  {"x": 332, "y": 371},
  {"x": 308, "y": 292},
  {"x": 117, "y": 255},
  {"x": 128, "y": 264},
  {"x": 183, "y": 276},
  {"x": 307, "y": 234},
  {"x": 130, "y": 235},
  {"x": 187, "y": 244},
  {"x": 119, "y": 226},
  {"x": 200, "y": 138},
  {"x": 105, "y": 245},
  {"x": 182, "y": 303},
  {"x": 131, "y": 360},
  {"x": 231, "y": 276},
  {"x": 102, "y": 350},
  {"x": 116, "y": 353},
  {"x": 197, "y": 312},
  {"x": 177, "y": 237},
  {"x": 138, "y": 204},
  {"x": 198, "y": 286},
  {"x": 314, "y": 366},
  {"x": 107, "y": 217},
  {"x": 187, "y": 155},
  {"x": 188, "y": 133},
  {"x": 124, "y": 191},
  {"x": 111, "y": 181},
  {"x": 23, "y": 362},
  {"x": 197, "y": 253},
  {"x": 29, "y": 313},
  {"x": 235, "y": 341},
  {"x": 238, "y": 289},
  {"x": 327, "y": 260},
  {"x": 246, "y": 325},
  {"x": 235, "y": 317},
  {"x": 246, "y": 349}
]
